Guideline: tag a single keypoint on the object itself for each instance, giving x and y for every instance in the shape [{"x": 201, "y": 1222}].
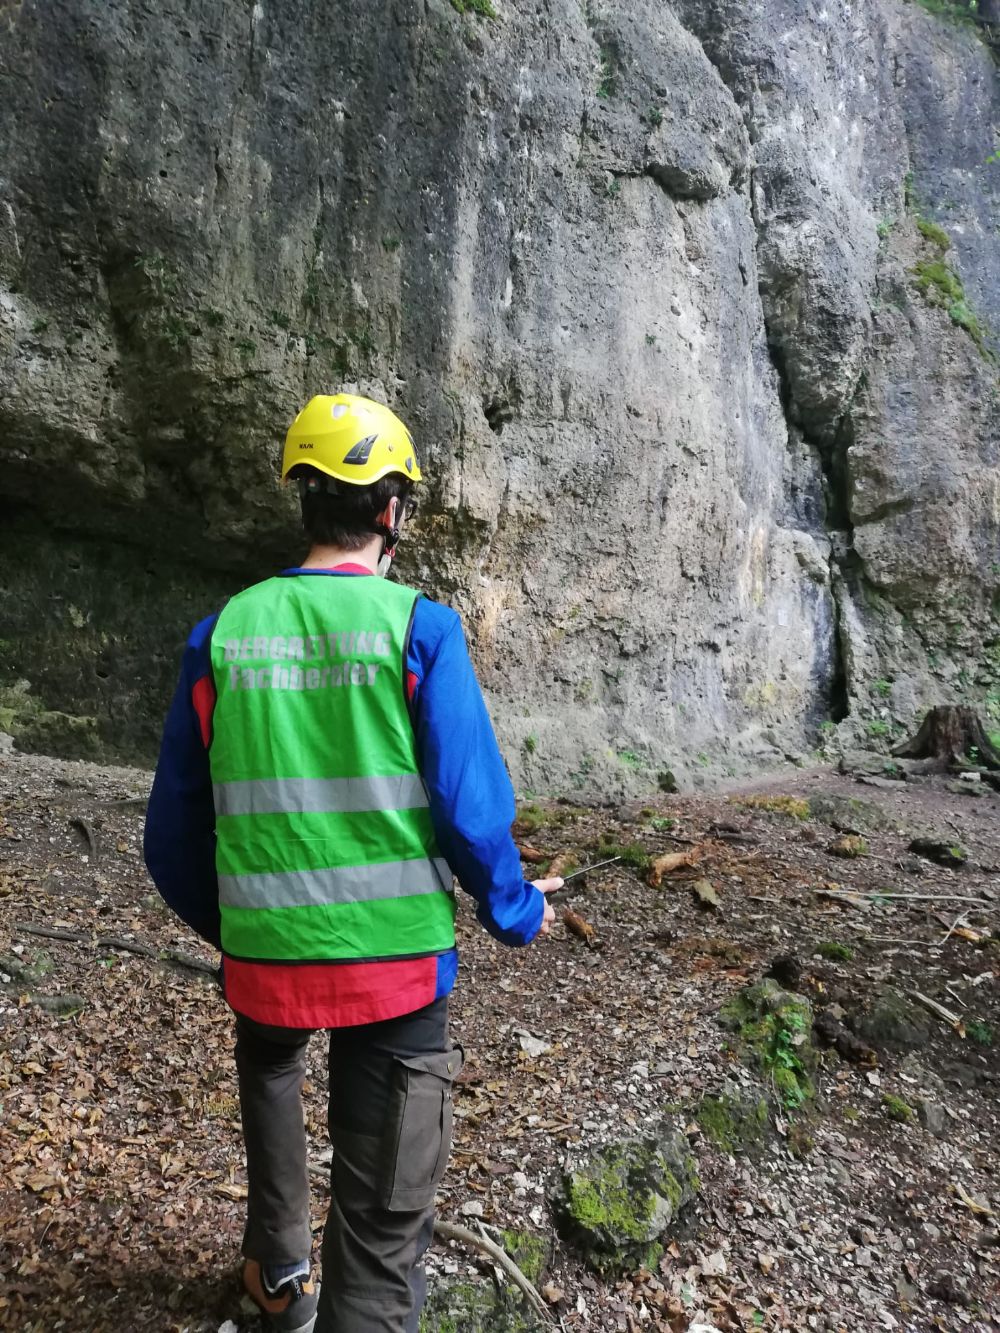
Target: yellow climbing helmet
[{"x": 350, "y": 438}]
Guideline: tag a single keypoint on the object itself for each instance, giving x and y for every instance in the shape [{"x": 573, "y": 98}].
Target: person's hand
[{"x": 548, "y": 886}]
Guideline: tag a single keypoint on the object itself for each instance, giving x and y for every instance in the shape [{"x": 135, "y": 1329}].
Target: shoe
[{"x": 291, "y": 1309}]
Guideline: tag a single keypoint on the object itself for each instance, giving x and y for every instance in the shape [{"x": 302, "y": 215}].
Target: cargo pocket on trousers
[{"x": 418, "y": 1133}]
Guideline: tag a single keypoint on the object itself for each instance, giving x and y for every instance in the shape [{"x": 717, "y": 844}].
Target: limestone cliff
[{"x": 690, "y": 307}]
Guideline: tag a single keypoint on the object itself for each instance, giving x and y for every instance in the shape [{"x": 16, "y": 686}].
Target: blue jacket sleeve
[
  {"x": 471, "y": 797},
  {"x": 179, "y": 842}
]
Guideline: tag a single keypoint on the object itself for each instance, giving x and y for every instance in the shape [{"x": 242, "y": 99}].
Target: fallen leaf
[
  {"x": 232, "y": 1191},
  {"x": 39, "y": 1181}
]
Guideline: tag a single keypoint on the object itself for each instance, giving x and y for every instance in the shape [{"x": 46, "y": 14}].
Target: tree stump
[{"x": 955, "y": 736}]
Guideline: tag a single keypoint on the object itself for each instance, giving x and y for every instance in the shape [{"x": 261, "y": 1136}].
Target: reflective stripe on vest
[
  {"x": 325, "y": 848},
  {"x": 340, "y": 884},
  {"x": 285, "y": 796}
]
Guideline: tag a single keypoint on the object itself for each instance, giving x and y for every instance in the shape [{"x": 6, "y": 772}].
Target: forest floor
[{"x": 121, "y": 1173}]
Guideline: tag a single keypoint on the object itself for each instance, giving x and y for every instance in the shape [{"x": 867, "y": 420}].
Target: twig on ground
[
  {"x": 127, "y": 946},
  {"x": 959, "y": 920},
  {"x": 973, "y": 1205},
  {"x": 87, "y": 829},
  {"x": 896, "y": 939},
  {"x": 450, "y": 1231},
  {"x": 845, "y": 896},
  {"x": 53, "y": 933}
]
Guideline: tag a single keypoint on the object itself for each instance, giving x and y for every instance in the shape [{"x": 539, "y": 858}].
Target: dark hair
[{"x": 343, "y": 514}]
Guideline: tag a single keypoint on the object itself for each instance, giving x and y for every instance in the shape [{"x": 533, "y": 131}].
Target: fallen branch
[
  {"x": 847, "y": 894},
  {"x": 52, "y": 933},
  {"x": 974, "y": 1205},
  {"x": 450, "y": 1231},
  {"x": 896, "y": 939},
  {"x": 959, "y": 920},
  {"x": 580, "y": 927},
  {"x": 938, "y": 1009},
  {"x": 127, "y": 946}
]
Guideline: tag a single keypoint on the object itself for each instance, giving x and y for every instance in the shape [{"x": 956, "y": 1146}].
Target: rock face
[{"x": 706, "y": 403}]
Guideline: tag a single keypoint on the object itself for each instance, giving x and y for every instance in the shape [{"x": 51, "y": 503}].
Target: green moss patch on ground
[
  {"x": 773, "y": 1035},
  {"x": 475, "y": 1307},
  {"x": 733, "y": 1122},
  {"x": 529, "y": 1251}
]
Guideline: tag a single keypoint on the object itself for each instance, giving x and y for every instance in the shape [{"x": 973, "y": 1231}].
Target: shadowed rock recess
[{"x": 708, "y": 407}]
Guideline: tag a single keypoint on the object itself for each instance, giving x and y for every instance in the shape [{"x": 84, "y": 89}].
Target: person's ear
[{"x": 391, "y": 514}]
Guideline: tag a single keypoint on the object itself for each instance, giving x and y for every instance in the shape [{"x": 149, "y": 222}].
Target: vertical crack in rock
[{"x": 830, "y": 456}]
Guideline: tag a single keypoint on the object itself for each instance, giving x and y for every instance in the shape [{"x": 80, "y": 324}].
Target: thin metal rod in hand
[{"x": 585, "y": 870}]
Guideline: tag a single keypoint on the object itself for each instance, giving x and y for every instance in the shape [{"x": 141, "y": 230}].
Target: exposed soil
[{"x": 121, "y": 1171}]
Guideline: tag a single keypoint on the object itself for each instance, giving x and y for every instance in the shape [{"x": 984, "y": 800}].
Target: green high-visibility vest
[{"x": 325, "y": 848}]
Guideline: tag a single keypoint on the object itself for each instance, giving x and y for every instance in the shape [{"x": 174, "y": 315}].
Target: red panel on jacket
[
  {"x": 203, "y": 698},
  {"x": 329, "y": 995}
]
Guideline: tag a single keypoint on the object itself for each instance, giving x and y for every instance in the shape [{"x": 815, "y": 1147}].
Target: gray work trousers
[{"x": 390, "y": 1125}]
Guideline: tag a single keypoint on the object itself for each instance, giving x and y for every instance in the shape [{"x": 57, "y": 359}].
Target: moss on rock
[
  {"x": 529, "y": 1251},
  {"x": 896, "y": 1108},
  {"x": 733, "y": 1122},
  {"x": 773, "y": 1031},
  {"x": 476, "y": 1307},
  {"x": 849, "y": 814},
  {"x": 617, "y": 1205}
]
